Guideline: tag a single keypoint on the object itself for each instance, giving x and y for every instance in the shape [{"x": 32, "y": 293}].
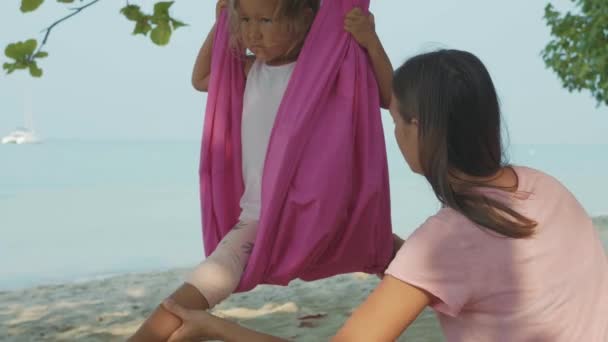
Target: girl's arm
[
  {"x": 362, "y": 27},
  {"x": 386, "y": 313},
  {"x": 383, "y": 70},
  {"x": 202, "y": 65}
]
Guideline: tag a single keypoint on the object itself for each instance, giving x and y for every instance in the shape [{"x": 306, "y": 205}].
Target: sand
[{"x": 111, "y": 309}]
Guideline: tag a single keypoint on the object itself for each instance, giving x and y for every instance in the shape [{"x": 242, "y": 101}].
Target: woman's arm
[
  {"x": 237, "y": 333},
  {"x": 386, "y": 313},
  {"x": 362, "y": 27},
  {"x": 162, "y": 323}
]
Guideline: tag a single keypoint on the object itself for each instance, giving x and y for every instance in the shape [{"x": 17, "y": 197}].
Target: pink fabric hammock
[{"x": 325, "y": 191}]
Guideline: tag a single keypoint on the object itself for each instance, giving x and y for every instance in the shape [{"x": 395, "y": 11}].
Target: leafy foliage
[
  {"x": 158, "y": 25},
  {"x": 578, "y": 51},
  {"x": 24, "y": 55}
]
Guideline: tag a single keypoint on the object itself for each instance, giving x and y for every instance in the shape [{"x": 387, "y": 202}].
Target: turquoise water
[
  {"x": 73, "y": 210},
  {"x": 78, "y": 210}
]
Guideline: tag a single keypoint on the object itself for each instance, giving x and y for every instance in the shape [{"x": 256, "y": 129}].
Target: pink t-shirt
[{"x": 551, "y": 287}]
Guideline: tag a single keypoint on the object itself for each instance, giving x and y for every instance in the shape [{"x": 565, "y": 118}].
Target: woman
[{"x": 510, "y": 256}]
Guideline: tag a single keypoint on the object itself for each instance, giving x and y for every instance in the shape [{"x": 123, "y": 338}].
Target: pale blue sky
[{"x": 102, "y": 83}]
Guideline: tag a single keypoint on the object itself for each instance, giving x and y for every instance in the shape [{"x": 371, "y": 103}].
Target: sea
[{"x": 73, "y": 210}]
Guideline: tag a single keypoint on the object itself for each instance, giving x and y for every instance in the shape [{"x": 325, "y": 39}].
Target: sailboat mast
[{"x": 28, "y": 115}]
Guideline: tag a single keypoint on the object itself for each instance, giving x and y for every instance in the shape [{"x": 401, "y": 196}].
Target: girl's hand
[
  {"x": 397, "y": 243},
  {"x": 219, "y": 6},
  {"x": 362, "y": 27},
  {"x": 197, "y": 325}
]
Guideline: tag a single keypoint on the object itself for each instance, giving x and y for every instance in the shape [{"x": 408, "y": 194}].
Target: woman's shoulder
[
  {"x": 531, "y": 175},
  {"x": 444, "y": 224},
  {"x": 537, "y": 182},
  {"x": 533, "y": 184}
]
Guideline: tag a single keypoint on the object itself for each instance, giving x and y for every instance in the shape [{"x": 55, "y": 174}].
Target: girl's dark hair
[{"x": 451, "y": 94}]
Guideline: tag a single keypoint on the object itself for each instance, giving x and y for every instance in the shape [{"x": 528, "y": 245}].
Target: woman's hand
[
  {"x": 197, "y": 325},
  {"x": 362, "y": 27},
  {"x": 221, "y": 4}
]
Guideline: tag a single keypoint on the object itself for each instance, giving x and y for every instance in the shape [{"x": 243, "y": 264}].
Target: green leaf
[
  {"x": 13, "y": 51},
  {"x": 41, "y": 54},
  {"x": 66, "y": 1},
  {"x": 9, "y": 67},
  {"x": 30, "y": 5},
  {"x": 161, "y": 8},
  {"x": 161, "y": 34},
  {"x": 30, "y": 46},
  {"x": 35, "y": 70},
  {"x": 142, "y": 27},
  {"x": 132, "y": 12},
  {"x": 21, "y": 50},
  {"x": 177, "y": 24}
]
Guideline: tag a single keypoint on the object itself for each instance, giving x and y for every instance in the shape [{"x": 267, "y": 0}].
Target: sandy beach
[{"x": 111, "y": 309}]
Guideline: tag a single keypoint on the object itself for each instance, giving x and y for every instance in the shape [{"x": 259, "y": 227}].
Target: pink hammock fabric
[{"x": 325, "y": 190}]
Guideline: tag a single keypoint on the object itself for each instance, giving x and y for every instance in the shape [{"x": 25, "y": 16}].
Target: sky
[{"x": 102, "y": 83}]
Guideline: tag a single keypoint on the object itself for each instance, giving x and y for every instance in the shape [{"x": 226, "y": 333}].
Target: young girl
[
  {"x": 511, "y": 255},
  {"x": 274, "y": 32}
]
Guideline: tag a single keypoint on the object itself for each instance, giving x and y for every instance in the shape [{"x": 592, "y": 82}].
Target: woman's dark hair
[{"x": 452, "y": 96}]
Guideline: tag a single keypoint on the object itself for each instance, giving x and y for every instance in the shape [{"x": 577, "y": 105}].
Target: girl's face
[
  {"x": 406, "y": 134},
  {"x": 266, "y": 36}
]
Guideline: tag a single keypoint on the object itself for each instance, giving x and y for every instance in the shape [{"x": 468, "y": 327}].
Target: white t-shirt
[{"x": 263, "y": 94}]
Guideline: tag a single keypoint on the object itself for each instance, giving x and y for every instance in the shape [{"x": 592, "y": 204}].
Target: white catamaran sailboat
[{"x": 23, "y": 135}]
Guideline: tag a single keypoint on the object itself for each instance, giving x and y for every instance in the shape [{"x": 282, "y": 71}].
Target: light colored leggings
[{"x": 217, "y": 277}]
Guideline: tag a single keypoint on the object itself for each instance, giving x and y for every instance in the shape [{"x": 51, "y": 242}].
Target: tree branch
[{"x": 50, "y": 28}]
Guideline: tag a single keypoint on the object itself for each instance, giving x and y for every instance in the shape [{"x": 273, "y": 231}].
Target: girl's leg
[
  {"x": 212, "y": 281},
  {"x": 219, "y": 275}
]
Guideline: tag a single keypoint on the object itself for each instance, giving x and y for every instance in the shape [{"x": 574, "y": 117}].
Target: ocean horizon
[{"x": 82, "y": 210}]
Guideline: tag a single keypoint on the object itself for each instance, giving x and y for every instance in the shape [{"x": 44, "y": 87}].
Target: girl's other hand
[
  {"x": 362, "y": 27},
  {"x": 397, "y": 243}
]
